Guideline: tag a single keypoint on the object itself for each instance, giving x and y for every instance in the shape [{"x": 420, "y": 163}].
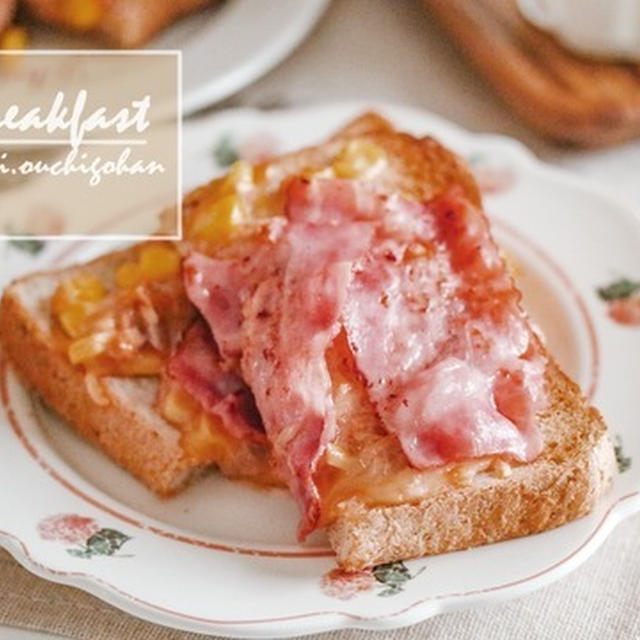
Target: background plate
[
  {"x": 224, "y": 48},
  {"x": 73, "y": 517}
]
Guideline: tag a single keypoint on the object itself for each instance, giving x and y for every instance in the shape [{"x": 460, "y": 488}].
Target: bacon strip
[
  {"x": 196, "y": 367},
  {"x": 292, "y": 319},
  {"x": 445, "y": 349},
  {"x": 430, "y": 314},
  {"x": 214, "y": 286}
]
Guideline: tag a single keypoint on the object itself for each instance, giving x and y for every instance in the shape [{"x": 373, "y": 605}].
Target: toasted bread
[
  {"x": 563, "y": 483},
  {"x": 127, "y": 428},
  {"x": 120, "y": 415}
]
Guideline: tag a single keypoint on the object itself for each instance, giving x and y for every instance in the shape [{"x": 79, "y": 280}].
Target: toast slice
[{"x": 471, "y": 503}]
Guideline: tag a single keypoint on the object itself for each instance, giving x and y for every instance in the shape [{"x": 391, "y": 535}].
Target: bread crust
[{"x": 564, "y": 483}]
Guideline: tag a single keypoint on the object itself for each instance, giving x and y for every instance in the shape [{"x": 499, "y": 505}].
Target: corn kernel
[
  {"x": 86, "y": 349},
  {"x": 128, "y": 275},
  {"x": 357, "y": 158},
  {"x": 239, "y": 177},
  {"x": 72, "y": 320},
  {"x": 60, "y": 299},
  {"x": 178, "y": 407},
  {"x": 82, "y": 14},
  {"x": 217, "y": 223},
  {"x": 87, "y": 288},
  {"x": 159, "y": 262},
  {"x": 72, "y": 299},
  {"x": 142, "y": 363},
  {"x": 205, "y": 441}
]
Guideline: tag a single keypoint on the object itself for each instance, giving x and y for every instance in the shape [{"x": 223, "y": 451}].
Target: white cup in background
[{"x": 603, "y": 28}]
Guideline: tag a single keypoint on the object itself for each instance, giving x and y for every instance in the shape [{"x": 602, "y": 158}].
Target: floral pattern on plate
[
  {"x": 344, "y": 585},
  {"x": 89, "y": 538},
  {"x": 624, "y": 462},
  {"x": 623, "y": 301},
  {"x": 257, "y": 147}
]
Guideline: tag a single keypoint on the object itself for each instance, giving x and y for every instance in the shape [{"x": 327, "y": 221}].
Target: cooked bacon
[
  {"x": 430, "y": 314},
  {"x": 154, "y": 313},
  {"x": 442, "y": 342},
  {"x": 196, "y": 367},
  {"x": 290, "y": 322},
  {"x": 219, "y": 287},
  {"x": 214, "y": 287}
]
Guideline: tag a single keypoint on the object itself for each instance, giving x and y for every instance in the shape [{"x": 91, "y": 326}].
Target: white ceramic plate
[
  {"x": 221, "y": 557},
  {"x": 224, "y": 48}
]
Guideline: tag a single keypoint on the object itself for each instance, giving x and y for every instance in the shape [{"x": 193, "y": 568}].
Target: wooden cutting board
[{"x": 570, "y": 99}]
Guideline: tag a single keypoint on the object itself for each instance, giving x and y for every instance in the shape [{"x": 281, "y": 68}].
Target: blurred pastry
[{"x": 121, "y": 23}]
